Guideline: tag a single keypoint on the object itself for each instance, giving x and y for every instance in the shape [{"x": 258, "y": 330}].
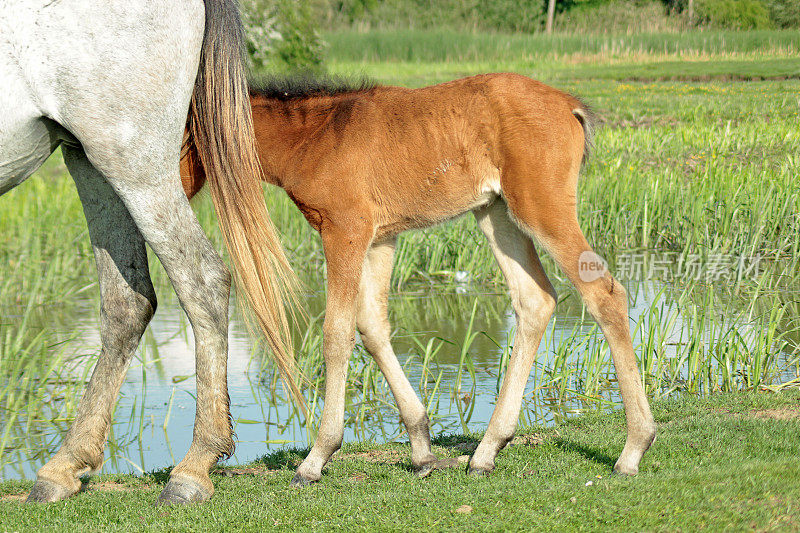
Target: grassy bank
[{"x": 728, "y": 462}]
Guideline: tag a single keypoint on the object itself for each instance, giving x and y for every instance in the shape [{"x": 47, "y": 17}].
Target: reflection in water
[{"x": 452, "y": 343}]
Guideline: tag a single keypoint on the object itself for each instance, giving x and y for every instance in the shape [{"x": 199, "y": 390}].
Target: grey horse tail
[
  {"x": 588, "y": 121},
  {"x": 220, "y": 130}
]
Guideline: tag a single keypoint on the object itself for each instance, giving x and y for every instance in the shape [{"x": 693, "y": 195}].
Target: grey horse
[{"x": 112, "y": 83}]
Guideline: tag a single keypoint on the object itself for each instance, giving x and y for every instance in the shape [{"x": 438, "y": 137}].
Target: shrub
[
  {"x": 525, "y": 16},
  {"x": 502, "y": 15},
  {"x": 281, "y": 33},
  {"x": 511, "y": 15},
  {"x": 732, "y": 14},
  {"x": 301, "y": 44},
  {"x": 618, "y": 17},
  {"x": 784, "y": 13}
]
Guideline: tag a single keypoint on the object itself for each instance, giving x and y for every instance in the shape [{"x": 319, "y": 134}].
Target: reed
[{"x": 410, "y": 45}]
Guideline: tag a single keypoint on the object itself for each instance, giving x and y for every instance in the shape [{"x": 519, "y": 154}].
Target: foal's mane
[{"x": 300, "y": 85}]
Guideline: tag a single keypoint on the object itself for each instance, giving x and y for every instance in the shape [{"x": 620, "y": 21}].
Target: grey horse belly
[
  {"x": 26, "y": 140},
  {"x": 23, "y": 148}
]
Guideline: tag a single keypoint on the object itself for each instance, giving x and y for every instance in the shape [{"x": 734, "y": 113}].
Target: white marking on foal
[
  {"x": 491, "y": 184},
  {"x": 488, "y": 190},
  {"x": 443, "y": 167}
]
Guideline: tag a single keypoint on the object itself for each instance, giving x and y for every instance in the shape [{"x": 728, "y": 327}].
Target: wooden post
[
  {"x": 551, "y": 11},
  {"x": 690, "y": 9}
]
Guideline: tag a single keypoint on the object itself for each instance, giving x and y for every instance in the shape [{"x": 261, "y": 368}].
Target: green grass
[
  {"x": 687, "y": 70},
  {"x": 718, "y": 463}
]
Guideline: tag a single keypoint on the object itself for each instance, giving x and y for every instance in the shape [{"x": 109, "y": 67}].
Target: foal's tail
[{"x": 220, "y": 135}]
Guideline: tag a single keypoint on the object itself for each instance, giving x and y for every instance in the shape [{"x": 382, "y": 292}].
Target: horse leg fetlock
[
  {"x": 331, "y": 442},
  {"x": 647, "y": 434},
  {"x": 88, "y": 460},
  {"x": 500, "y": 438},
  {"x": 217, "y": 442},
  {"x": 418, "y": 425}
]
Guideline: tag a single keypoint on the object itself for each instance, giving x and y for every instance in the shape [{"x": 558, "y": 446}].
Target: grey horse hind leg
[
  {"x": 128, "y": 301},
  {"x": 127, "y": 106},
  {"x": 202, "y": 283}
]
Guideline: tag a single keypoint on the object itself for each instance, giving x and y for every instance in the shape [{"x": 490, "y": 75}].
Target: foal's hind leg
[
  {"x": 549, "y": 215},
  {"x": 373, "y": 323},
  {"x": 345, "y": 249},
  {"x": 534, "y": 300},
  {"x": 127, "y": 304}
]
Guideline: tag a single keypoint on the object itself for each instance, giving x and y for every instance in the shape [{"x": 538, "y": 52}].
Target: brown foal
[{"x": 367, "y": 163}]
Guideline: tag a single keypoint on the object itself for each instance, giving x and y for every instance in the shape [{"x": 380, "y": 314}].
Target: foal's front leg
[
  {"x": 373, "y": 324},
  {"x": 344, "y": 253}
]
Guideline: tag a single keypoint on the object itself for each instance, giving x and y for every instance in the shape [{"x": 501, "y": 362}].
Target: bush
[
  {"x": 784, "y": 13},
  {"x": 280, "y": 34},
  {"x": 733, "y": 14},
  {"x": 619, "y": 17},
  {"x": 502, "y": 15},
  {"x": 524, "y": 16},
  {"x": 511, "y": 15},
  {"x": 301, "y": 44}
]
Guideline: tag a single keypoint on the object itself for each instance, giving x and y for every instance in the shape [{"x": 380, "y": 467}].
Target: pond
[{"x": 453, "y": 341}]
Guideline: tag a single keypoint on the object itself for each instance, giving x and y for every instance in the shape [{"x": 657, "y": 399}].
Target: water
[{"x": 154, "y": 416}]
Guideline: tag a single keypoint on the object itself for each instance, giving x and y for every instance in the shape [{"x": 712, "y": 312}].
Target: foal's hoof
[
  {"x": 47, "y": 491},
  {"x": 440, "y": 464},
  {"x": 300, "y": 481},
  {"x": 182, "y": 492}
]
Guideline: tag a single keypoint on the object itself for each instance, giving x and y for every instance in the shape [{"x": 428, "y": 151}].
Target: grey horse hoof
[
  {"x": 425, "y": 470},
  {"x": 478, "y": 472},
  {"x": 181, "y": 493},
  {"x": 47, "y": 491},
  {"x": 440, "y": 464},
  {"x": 300, "y": 481}
]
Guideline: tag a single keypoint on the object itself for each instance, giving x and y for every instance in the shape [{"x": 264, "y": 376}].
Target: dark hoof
[
  {"x": 47, "y": 491},
  {"x": 425, "y": 470},
  {"x": 478, "y": 472},
  {"x": 440, "y": 464},
  {"x": 623, "y": 472},
  {"x": 181, "y": 492},
  {"x": 300, "y": 481}
]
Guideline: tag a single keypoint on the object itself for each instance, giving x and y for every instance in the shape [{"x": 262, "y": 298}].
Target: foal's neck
[{"x": 290, "y": 134}]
